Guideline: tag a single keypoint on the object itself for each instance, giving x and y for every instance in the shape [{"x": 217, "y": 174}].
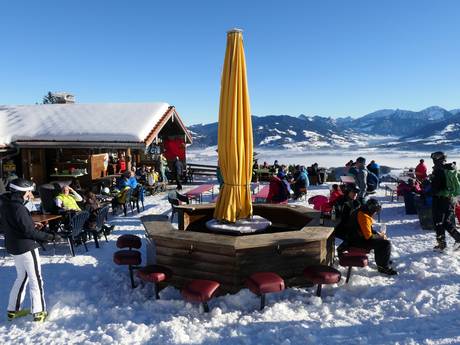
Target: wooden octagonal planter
[{"x": 295, "y": 241}]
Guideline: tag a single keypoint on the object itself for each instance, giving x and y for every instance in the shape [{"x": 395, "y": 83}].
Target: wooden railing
[{"x": 200, "y": 169}]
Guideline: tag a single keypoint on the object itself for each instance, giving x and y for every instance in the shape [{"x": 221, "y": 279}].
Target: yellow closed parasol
[{"x": 235, "y": 143}]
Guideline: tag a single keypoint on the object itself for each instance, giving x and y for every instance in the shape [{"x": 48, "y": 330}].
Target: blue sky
[{"x": 314, "y": 57}]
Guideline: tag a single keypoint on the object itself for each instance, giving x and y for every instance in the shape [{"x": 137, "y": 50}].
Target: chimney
[{"x": 63, "y": 97}]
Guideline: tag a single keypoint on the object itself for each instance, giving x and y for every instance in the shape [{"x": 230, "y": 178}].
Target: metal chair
[
  {"x": 138, "y": 196},
  {"x": 182, "y": 198},
  {"x": 129, "y": 194},
  {"x": 101, "y": 216},
  {"x": 174, "y": 201},
  {"x": 76, "y": 231}
]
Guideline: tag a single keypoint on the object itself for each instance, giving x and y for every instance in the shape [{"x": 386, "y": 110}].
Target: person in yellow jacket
[
  {"x": 361, "y": 234},
  {"x": 68, "y": 199},
  {"x": 152, "y": 176}
]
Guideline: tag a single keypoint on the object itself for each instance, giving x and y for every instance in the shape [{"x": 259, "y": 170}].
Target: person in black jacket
[
  {"x": 443, "y": 204},
  {"x": 345, "y": 205},
  {"x": 178, "y": 170},
  {"x": 22, "y": 242}
]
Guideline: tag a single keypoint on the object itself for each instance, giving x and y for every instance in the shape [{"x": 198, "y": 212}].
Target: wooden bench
[{"x": 201, "y": 170}]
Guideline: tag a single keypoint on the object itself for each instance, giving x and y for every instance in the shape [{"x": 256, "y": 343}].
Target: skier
[
  {"x": 21, "y": 241},
  {"x": 445, "y": 185},
  {"x": 360, "y": 174}
]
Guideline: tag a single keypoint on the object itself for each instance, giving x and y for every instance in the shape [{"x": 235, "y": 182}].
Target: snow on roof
[{"x": 121, "y": 122}]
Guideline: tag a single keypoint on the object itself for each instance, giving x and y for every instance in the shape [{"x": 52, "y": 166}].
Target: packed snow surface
[
  {"x": 130, "y": 122},
  {"x": 90, "y": 300}
]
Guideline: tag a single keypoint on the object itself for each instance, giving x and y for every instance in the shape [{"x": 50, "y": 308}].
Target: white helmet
[{"x": 21, "y": 185}]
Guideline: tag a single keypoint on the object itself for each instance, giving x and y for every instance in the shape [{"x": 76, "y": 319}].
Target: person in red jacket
[
  {"x": 279, "y": 190},
  {"x": 334, "y": 195},
  {"x": 420, "y": 171}
]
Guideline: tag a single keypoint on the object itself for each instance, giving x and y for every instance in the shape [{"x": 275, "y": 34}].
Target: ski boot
[
  {"x": 40, "y": 316},
  {"x": 387, "y": 270},
  {"x": 17, "y": 314},
  {"x": 440, "y": 247}
]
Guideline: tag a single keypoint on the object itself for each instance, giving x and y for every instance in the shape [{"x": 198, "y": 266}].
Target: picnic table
[
  {"x": 263, "y": 174},
  {"x": 262, "y": 194},
  {"x": 392, "y": 189},
  {"x": 197, "y": 193}
]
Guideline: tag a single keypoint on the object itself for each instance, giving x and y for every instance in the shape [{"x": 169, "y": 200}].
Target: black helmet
[
  {"x": 352, "y": 188},
  {"x": 361, "y": 160},
  {"x": 438, "y": 156},
  {"x": 373, "y": 206},
  {"x": 21, "y": 185}
]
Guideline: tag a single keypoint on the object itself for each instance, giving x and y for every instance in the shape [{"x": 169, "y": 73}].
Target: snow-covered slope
[{"x": 91, "y": 302}]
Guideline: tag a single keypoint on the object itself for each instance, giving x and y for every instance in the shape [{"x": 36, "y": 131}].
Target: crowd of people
[{"x": 351, "y": 202}]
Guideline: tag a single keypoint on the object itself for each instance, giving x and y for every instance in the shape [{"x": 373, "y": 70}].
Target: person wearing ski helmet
[
  {"x": 443, "y": 201},
  {"x": 22, "y": 240},
  {"x": 361, "y": 235}
]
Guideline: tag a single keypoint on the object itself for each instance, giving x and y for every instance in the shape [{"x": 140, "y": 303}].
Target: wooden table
[{"x": 45, "y": 218}]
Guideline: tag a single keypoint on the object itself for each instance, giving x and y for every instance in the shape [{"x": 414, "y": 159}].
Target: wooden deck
[{"x": 231, "y": 259}]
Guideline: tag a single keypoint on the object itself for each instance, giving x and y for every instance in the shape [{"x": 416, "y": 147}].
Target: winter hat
[
  {"x": 361, "y": 160},
  {"x": 21, "y": 185},
  {"x": 438, "y": 156},
  {"x": 352, "y": 188},
  {"x": 373, "y": 206}
]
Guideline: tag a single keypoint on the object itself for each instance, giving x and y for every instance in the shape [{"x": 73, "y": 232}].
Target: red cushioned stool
[
  {"x": 350, "y": 260},
  {"x": 129, "y": 241},
  {"x": 261, "y": 283},
  {"x": 321, "y": 274},
  {"x": 130, "y": 258},
  {"x": 200, "y": 290},
  {"x": 154, "y": 274}
]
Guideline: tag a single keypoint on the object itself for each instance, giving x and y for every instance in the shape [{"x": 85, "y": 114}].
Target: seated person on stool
[
  {"x": 360, "y": 234},
  {"x": 92, "y": 205},
  {"x": 120, "y": 197},
  {"x": 301, "y": 183}
]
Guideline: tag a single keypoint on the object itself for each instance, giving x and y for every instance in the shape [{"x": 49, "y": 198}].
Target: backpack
[
  {"x": 353, "y": 171},
  {"x": 283, "y": 190},
  {"x": 452, "y": 183},
  {"x": 372, "y": 181}
]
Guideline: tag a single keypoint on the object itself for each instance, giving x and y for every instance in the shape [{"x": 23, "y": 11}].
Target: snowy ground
[{"x": 90, "y": 300}]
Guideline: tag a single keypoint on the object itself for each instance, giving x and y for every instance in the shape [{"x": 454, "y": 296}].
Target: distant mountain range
[{"x": 433, "y": 127}]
